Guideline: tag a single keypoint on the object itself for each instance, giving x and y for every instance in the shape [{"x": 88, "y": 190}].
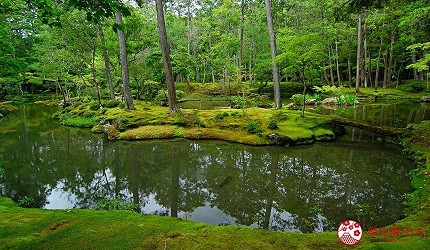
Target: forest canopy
[{"x": 67, "y": 46}]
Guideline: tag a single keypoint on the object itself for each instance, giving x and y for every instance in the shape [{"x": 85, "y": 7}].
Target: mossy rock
[{"x": 324, "y": 134}]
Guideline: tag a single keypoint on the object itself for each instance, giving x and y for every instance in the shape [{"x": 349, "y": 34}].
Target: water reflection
[
  {"x": 310, "y": 188},
  {"x": 393, "y": 114}
]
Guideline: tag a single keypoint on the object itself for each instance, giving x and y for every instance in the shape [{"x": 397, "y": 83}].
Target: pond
[
  {"x": 302, "y": 189},
  {"x": 382, "y": 113}
]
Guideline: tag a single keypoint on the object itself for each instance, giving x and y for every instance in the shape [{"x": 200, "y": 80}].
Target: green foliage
[
  {"x": 27, "y": 202},
  {"x": 328, "y": 90},
  {"x": 161, "y": 95},
  {"x": 81, "y": 122},
  {"x": 200, "y": 123},
  {"x": 346, "y": 99},
  {"x": 121, "y": 105},
  {"x": 221, "y": 116},
  {"x": 111, "y": 104},
  {"x": 243, "y": 102},
  {"x": 313, "y": 96},
  {"x": 253, "y": 127},
  {"x": 116, "y": 204},
  {"x": 272, "y": 124},
  {"x": 297, "y": 99},
  {"x": 415, "y": 87},
  {"x": 180, "y": 94},
  {"x": 2, "y": 169},
  {"x": 415, "y": 200}
]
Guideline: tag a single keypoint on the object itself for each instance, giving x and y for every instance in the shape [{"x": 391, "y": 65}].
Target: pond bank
[{"x": 252, "y": 126}]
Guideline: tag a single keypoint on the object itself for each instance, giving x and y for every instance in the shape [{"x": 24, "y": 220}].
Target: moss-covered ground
[{"x": 254, "y": 126}]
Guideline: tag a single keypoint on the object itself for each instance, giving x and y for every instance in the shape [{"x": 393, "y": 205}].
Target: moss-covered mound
[
  {"x": 24, "y": 228},
  {"x": 254, "y": 126}
]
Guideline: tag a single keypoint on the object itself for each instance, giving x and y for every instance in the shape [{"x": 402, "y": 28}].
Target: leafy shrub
[
  {"x": 116, "y": 204},
  {"x": 253, "y": 127},
  {"x": 94, "y": 105},
  {"x": 161, "y": 95},
  {"x": 327, "y": 90},
  {"x": 297, "y": 99},
  {"x": 416, "y": 87},
  {"x": 346, "y": 100},
  {"x": 241, "y": 102},
  {"x": 180, "y": 94},
  {"x": 273, "y": 124},
  {"x": 121, "y": 105},
  {"x": 313, "y": 96},
  {"x": 221, "y": 116},
  {"x": 111, "y": 104},
  {"x": 27, "y": 202}
]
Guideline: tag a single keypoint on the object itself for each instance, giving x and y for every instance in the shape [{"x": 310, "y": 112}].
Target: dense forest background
[{"x": 72, "y": 47}]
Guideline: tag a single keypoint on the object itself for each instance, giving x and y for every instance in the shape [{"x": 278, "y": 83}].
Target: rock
[
  {"x": 330, "y": 100},
  {"x": 425, "y": 99},
  {"x": 292, "y": 106},
  {"x": 110, "y": 131},
  {"x": 64, "y": 104},
  {"x": 277, "y": 139},
  {"x": 311, "y": 102}
]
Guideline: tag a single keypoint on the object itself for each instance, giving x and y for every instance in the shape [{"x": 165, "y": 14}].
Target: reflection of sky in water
[{"x": 58, "y": 199}]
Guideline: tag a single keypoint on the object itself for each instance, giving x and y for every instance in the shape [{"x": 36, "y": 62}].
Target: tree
[
  {"x": 166, "y": 57},
  {"x": 275, "y": 70},
  {"x": 124, "y": 63}
]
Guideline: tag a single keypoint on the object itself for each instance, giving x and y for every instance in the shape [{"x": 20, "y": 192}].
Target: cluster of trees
[{"x": 71, "y": 46}]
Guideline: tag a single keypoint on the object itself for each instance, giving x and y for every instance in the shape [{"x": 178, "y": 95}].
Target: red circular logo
[{"x": 349, "y": 232}]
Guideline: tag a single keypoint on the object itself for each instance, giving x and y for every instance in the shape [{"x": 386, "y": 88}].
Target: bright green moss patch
[
  {"x": 93, "y": 229},
  {"x": 81, "y": 122},
  {"x": 254, "y": 126}
]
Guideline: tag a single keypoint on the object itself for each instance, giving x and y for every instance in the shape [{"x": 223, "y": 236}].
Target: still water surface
[{"x": 306, "y": 188}]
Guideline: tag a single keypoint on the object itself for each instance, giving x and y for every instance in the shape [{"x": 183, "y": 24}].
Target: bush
[
  {"x": 27, "y": 202},
  {"x": 273, "y": 124},
  {"x": 313, "y": 96},
  {"x": 416, "y": 87},
  {"x": 240, "y": 102},
  {"x": 111, "y": 104},
  {"x": 221, "y": 116},
  {"x": 121, "y": 105},
  {"x": 253, "y": 127},
  {"x": 180, "y": 94},
  {"x": 297, "y": 99},
  {"x": 116, "y": 204},
  {"x": 161, "y": 95},
  {"x": 346, "y": 100}
]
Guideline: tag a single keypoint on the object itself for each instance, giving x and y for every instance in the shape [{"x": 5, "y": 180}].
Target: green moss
[{"x": 81, "y": 122}]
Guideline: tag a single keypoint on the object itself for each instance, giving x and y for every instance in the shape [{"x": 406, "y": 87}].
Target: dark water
[
  {"x": 306, "y": 189},
  {"x": 392, "y": 114}
]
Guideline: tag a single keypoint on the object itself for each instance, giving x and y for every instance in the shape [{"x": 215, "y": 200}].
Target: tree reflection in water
[{"x": 306, "y": 189}]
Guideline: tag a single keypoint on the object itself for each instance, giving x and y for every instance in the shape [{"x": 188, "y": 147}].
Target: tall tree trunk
[
  {"x": 377, "y": 63},
  {"x": 124, "y": 64},
  {"x": 349, "y": 71},
  {"x": 414, "y": 60},
  {"x": 275, "y": 70},
  {"x": 390, "y": 60},
  {"x": 357, "y": 73},
  {"x": 339, "y": 80},
  {"x": 93, "y": 73},
  {"x": 384, "y": 83},
  {"x": 365, "y": 66},
  {"x": 242, "y": 24},
  {"x": 166, "y": 57},
  {"x": 330, "y": 65},
  {"x": 107, "y": 65}
]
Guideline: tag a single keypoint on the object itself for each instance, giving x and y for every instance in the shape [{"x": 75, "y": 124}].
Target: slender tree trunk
[
  {"x": 339, "y": 80},
  {"x": 377, "y": 64},
  {"x": 242, "y": 24},
  {"x": 275, "y": 70},
  {"x": 414, "y": 60},
  {"x": 124, "y": 64},
  {"x": 330, "y": 65},
  {"x": 93, "y": 73},
  {"x": 325, "y": 75},
  {"x": 107, "y": 65},
  {"x": 365, "y": 66},
  {"x": 357, "y": 73},
  {"x": 384, "y": 83},
  {"x": 166, "y": 57},
  {"x": 349, "y": 71},
  {"x": 390, "y": 60}
]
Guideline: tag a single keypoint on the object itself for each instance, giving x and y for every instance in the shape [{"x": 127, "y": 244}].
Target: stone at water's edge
[
  {"x": 425, "y": 99},
  {"x": 330, "y": 100},
  {"x": 311, "y": 102}
]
